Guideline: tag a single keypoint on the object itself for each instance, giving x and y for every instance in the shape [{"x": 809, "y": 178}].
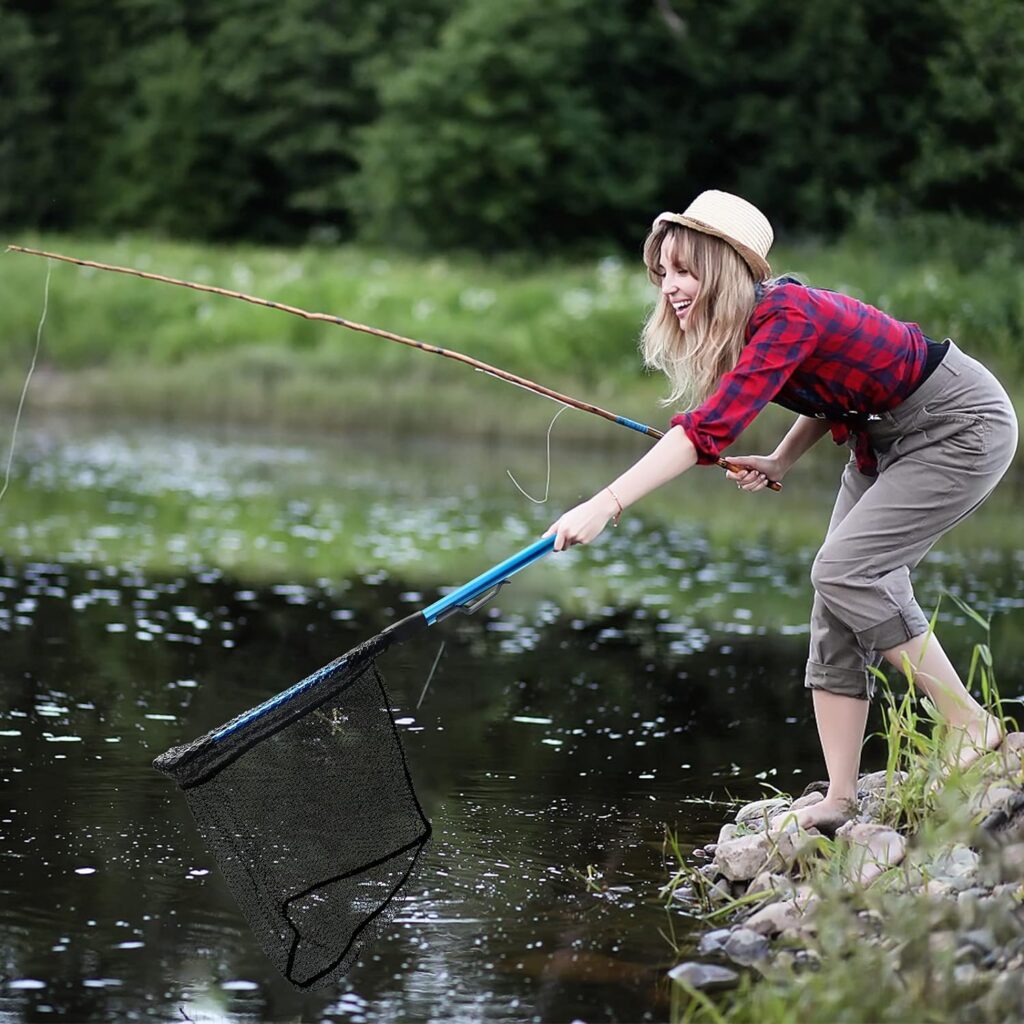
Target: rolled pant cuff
[
  {"x": 848, "y": 682},
  {"x": 903, "y": 626}
]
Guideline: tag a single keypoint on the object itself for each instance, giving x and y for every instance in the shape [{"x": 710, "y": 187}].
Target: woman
[{"x": 932, "y": 432}]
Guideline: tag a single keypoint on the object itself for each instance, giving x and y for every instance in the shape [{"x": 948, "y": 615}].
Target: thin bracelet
[{"x": 618, "y": 515}]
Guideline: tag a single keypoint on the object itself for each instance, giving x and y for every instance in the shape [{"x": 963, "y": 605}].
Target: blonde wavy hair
[{"x": 695, "y": 359}]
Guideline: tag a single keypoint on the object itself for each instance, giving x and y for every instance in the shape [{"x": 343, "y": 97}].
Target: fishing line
[
  {"x": 351, "y": 325},
  {"x": 31, "y": 369},
  {"x": 440, "y": 651},
  {"x": 547, "y": 482}
]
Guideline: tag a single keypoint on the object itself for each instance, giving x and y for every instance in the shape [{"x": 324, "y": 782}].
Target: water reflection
[{"x": 151, "y": 587}]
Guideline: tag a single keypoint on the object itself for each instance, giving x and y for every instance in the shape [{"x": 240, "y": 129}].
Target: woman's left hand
[{"x": 580, "y": 525}]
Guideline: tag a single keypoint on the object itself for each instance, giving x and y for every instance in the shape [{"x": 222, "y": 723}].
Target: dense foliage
[{"x": 525, "y": 124}]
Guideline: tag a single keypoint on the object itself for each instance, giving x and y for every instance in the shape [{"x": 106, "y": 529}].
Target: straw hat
[{"x": 732, "y": 219}]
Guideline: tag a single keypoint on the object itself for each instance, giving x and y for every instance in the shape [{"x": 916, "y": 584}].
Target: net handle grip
[{"x": 487, "y": 580}]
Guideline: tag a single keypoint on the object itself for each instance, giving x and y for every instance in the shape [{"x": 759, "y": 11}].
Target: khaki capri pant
[{"x": 940, "y": 454}]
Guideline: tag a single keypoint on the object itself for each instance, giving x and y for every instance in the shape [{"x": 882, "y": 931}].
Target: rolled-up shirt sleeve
[{"x": 776, "y": 348}]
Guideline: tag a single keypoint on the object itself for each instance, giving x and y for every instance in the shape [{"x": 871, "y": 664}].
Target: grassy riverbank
[
  {"x": 939, "y": 932},
  {"x": 116, "y": 344}
]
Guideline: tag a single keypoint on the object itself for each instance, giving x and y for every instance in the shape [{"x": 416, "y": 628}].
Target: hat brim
[{"x": 759, "y": 266}]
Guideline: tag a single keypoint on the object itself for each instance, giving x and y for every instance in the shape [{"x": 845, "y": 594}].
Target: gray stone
[
  {"x": 760, "y": 810},
  {"x": 744, "y": 857},
  {"x": 873, "y": 849},
  {"x": 745, "y": 946},
  {"x": 1005, "y": 824},
  {"x": 982, "y": 939},
  {"x": 1013, "y": 742},
  {"x": 957, "y": 866},
  {"x": 708, "y": 871},
  {"x": 769, "y": 881},
  {"x": 713, "y": 941},
  {"x": 719, "y": 892},
  {"x": 876, "y": 780},
  {"x": 727, "y": 831},
  {"x": 972, "y": 895},
  {"x": 997, "y": 794},
  {"x": 1011, "y": 861},
  {"x": 871, "y": 806},
  {"x": 703, "y": 976},
  {"x": 807, "y": 800},
  {"x": 942, "y": 942},
  {"x": 773, "y": 918},
  {"x": 967, "y": 975},
  {"x": 816, "y": 787}
]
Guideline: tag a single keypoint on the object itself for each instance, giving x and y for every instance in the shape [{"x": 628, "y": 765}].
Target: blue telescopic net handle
[
  {"x": 469, "y": 597},
  {"x": 464, "y": 598},
  {"x": 464, "y": 595}
]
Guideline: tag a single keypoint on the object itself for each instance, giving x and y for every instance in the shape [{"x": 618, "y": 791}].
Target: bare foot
[
  {"x": 827, "y": 815},
  {"x": 967, "y": 743}
]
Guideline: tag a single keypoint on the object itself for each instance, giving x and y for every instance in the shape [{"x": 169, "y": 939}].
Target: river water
[{"x": 154, "y": 584}]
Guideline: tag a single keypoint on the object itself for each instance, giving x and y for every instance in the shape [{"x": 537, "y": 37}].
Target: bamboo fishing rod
[{"x": 339, "y": 321}]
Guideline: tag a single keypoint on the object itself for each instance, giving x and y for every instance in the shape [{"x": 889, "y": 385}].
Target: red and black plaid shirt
[{"x": 818, "y": 353}]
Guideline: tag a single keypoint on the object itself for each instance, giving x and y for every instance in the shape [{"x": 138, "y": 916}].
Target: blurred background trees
[{"x": 487, "y": 125}]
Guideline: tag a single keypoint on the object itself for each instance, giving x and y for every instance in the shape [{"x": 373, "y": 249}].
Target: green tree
[
  {"x": 972, "y": 154},
  {"x": 26, "y": 134},
  {"x": 803, "y": 107},
  {"x": 522, "y": 128}
]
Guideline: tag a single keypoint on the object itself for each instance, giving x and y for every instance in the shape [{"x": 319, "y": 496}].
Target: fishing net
[{"x": 308, "y": 805}]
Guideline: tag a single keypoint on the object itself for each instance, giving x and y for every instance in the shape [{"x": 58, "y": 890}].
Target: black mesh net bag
[{"x": 309, "y": 807}]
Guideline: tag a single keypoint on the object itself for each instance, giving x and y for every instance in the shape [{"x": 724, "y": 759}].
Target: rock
[
  {"x": 935, "y": 887},
  {"x": 727, "y": 831},
  {"x": 760, "y": 811},
  {"x": 957, "y": 867},
  {"x": 1013, "y": 743},
  {"x": 773, "y": 918},
  {"x": 981, "y": 939},
  {"x": 804, "y": 895},
  {"x": 768, "y": 881},
  {"x": 703, "y": 976},
  {"x": 873, "y": 849},
  {"x": 714, "y": 941},
  {"x": 719, "y": 892},
  {"x": 876, "y": 780},
  {"x": 871, "y": 806},
  {"x": 807, "y": 800},
  {"x": 815, "y": 787},
  {"x": 966, "y": 975},
  {"x": 1005, "y": 824},
  {"x": 998, "y": 794},
  {"x": 942, "y": 942},
  {"x": 968, "y": 896},
  {"x": 1010, "y": 863},
  {"x": 745, "y": 946},
  {"x": 709, "y": 848},
  {"x": 744, "y": 857},
  {"x": 709, "y": 871},
  {"x": 700, "y": 853}
]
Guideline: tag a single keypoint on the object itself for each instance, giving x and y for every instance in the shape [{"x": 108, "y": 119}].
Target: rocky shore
[{"x": 959, "y": 874}]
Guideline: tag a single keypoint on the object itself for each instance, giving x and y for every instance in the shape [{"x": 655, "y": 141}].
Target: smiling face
[{"x": 678, "y": 283}]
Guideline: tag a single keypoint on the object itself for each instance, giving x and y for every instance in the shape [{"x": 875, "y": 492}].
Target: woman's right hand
[
  {"x": 756, "y": 471},
  {"x": 580, "y": 525}
]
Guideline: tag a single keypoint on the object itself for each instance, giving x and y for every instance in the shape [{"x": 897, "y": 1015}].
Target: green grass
[{"x": 116, "y": 343}]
